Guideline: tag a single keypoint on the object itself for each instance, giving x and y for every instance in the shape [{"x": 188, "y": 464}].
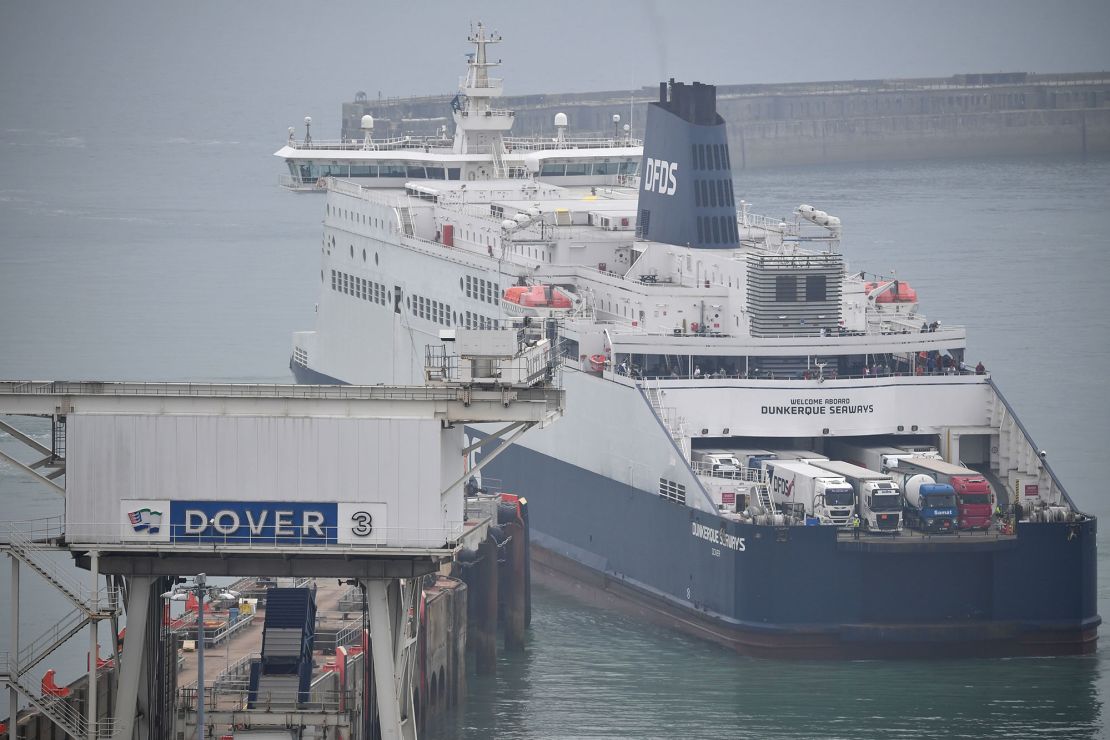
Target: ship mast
[{"x": 478, "y": 125}]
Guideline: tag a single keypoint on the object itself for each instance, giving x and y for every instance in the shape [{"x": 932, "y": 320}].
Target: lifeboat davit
[{"x": 900, "y": 292}]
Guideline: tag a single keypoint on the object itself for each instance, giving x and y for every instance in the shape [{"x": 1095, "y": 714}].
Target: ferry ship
[{"x": 705, "y": 351}]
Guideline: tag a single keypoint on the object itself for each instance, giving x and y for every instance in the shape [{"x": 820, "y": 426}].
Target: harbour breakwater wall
[{"x": 1002, "y": 114}]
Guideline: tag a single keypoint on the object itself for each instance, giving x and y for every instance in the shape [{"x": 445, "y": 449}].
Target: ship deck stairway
[
  {"x": 408, "y": 228},
  {"x": 497, "y": 149},
  {"x": 672, "y": 422}
]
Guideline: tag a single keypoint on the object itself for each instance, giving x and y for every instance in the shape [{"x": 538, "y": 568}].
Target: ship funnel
[{"x": 686, "y": 195}]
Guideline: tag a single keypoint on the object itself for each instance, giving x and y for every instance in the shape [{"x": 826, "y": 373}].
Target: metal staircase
[
  {"x": 61, "y": 712},
  {"x": 672, "y": 422},
  {"x": 763, "y": 497},
  {"x": 31, "y": 654},
  {"x": 497, "y": 149},
  {"x": 100, "y": 605},
  {"x": 90, "y": 605},
  {"x": 408, "y": 228}
]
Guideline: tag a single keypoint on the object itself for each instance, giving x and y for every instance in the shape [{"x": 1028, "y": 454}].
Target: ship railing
[
  {"x": 229, "y": 390},
  {"x": 355, "y": 145},
  {"x": 488, "y": 113},
  {"x": 235, "y": 699},
  {"x": 754, "y": 220},
  {"x": 548, "y": 144}
]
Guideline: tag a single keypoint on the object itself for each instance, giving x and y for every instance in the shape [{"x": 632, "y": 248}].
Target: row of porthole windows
[
  {"x": 426, "y": 308},
  {"x": 483, "y": 290},
  {"x": 717, "y": 230},
  {"x": 357, "y": 287},
  {"x": 363, "y": 253},
  {"x": 360, "y": 218},
  {"x": 711, "y": 157},
  {"x": 713, "y": 193}
]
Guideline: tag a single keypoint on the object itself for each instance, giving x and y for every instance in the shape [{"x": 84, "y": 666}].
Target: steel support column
[{"x": 134, "y": 656}]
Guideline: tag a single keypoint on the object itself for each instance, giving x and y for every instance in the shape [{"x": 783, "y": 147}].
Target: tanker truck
[
  {"x": 880, "y": 501},
  {"x": 973, "y": 493},
  {"x": 930, "y": 506},
  {"x": 823, "y": 495}
]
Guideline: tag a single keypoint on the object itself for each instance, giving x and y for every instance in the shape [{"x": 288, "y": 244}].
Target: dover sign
[{"x": 278, "y": 523}]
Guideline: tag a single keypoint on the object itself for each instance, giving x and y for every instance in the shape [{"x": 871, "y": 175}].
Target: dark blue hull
[{"x": 799, "y": 591}]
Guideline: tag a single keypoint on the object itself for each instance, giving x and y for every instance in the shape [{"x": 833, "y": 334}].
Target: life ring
[{"x": 322, "y": 183}]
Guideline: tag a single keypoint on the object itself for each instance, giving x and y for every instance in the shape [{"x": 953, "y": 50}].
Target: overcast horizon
[{"x": 285, "y": 59}]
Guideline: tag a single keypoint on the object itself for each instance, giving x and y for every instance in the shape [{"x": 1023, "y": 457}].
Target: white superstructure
[{"x": 663, "y": 344}]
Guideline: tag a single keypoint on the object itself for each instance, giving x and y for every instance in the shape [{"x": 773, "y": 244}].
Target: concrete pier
[{"x": 1009, "y": 113}]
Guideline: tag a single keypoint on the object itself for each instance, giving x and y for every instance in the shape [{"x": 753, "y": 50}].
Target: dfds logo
[
  {"x": 661, "y": 176},
  {"x": 782, "y": 486}
]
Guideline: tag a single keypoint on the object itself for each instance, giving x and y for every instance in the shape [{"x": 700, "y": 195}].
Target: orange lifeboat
[
  {"x": 905, "y": 294},
  {"x": 536, "y": 297},
  {"x": 514, "y": 293}
]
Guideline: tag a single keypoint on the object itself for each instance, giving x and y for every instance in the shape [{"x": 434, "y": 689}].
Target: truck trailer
[
  {"x": 827, "y": 497},
  {"x": 879, "y": 501}
]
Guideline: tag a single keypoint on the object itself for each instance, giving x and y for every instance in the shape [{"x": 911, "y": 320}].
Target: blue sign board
[{"x": 254, "y": 522}]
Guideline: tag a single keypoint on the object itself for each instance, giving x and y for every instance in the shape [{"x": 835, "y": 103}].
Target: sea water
[{"x": 166, "y": 257}]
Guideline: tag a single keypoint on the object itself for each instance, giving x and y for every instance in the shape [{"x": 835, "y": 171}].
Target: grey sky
[{"x": 283, "y": 59}]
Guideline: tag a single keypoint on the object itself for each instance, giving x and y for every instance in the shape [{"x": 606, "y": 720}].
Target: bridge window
[
  {"x": 815, "y": 288},
  {"x": 553, "y": 169},
  {"x": 578, "y": 168},
  {"x": 606, "y": 168},
  {"x": 415, "y": 172},
  {"x": 629, "y": 166},
  {"x": 391, "y": 170},
  {"x": 786, "y": 288}
]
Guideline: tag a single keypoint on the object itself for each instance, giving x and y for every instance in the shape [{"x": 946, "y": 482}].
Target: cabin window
[
  {"x": 786, "y": 288},
  {"x": 815, "y": 288}
]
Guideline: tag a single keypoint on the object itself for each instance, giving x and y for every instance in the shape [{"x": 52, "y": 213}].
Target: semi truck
[
  {"x": 872, "y": 456},
  {"x": 827, "y": 497},
  {"x": 718, "y": 463},
  {"x": 879, "y": 501},
  {"x": 930, "y": 506},
  {"x": 973, "y": 492}
]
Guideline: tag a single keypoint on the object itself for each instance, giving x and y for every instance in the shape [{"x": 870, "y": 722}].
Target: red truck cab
[{"x": 974, "y": 496}]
